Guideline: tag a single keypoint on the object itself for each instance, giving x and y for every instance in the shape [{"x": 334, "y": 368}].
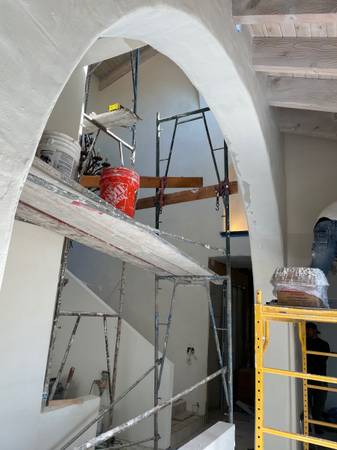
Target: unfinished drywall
[
  {"x": 28, "y": 299},
  {"x": 88, "y": 357}
]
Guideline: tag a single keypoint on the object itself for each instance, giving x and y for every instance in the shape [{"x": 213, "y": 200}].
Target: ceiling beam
[
  {"x": 301, "y": 56},
  {"x": 123, "y": 69},
  {"x": 307, "y": 123},
  {"x": 303, "y": 93},
  {"x": 268, "y": 11}
]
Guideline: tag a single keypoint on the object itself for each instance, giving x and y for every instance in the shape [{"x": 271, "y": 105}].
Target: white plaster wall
[
  {"x": 188, "y": 32},
  {"x": 220, "y": 436},
  {"x": 164, "y": 87},
  {"x": 66, "y": 114},
  {"x": 87, "y": 355},
  {"x": 27, "y": 299},
  {"x": 66, "y": 419},
  {"x": 311, "y": 185},
  {"x": 183, "y": 30}
]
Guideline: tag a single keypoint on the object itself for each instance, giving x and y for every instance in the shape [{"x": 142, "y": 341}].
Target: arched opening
[{"x": 184, "y": 38}]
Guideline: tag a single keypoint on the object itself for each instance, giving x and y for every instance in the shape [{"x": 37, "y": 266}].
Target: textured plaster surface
[
  {"x": 35, "y": 35},
  {"x": 48, "y": 39}
]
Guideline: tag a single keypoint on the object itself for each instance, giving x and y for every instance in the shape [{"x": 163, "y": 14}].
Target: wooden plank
[
  {"x": 318, "y": 30},
  {"x": 288, "y": 29},
  {"x": 302, "y": 29},
  {"x": 185, "y": 196},
  {"x": 57, "y": 203},
  {"x": 257, "y": 30},
  {"x": 92, "y": 181},
  {"x": 64, "y": 402},
  {"x": 273, "y": 30},
  {"x": 331, "y": 29},
  {"x": 307, "y": 123},
  {"x": 303, "y": 93},
  {"x": 277, "y": 11},
  {"x": 289, "y": 55}
]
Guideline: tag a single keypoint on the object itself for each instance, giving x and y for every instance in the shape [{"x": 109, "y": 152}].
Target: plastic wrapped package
[{"x": 300, "y": 286}]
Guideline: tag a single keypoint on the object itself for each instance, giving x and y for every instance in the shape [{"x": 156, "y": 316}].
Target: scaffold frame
[
  {"x": 223, "y": 192},
  {"x": 264, "y": 314}
]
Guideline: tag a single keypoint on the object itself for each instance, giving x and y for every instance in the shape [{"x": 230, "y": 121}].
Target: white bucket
[{"x": 60, "y": 151}]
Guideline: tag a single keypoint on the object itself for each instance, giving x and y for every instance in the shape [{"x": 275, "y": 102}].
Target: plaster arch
[{"x": 48, "y": 39}]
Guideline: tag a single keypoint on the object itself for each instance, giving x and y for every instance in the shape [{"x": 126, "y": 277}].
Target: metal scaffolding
[
  {"x": 223, "y": 191},
  {"x": 264, "y": 314},
  {"x": 223, "y": 345}
]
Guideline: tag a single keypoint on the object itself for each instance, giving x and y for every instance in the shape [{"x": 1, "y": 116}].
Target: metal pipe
[
  {"x": 171, "y": 148},
  {"x": 85, "y": 314},
  {"x": 211, "y": 148},
  {"x": 132, "y": 422},
  {"x": 322, "y": 388},
  {"x": 193, "y": 279},
  {"x": 107, "y": 355},
  {"x": 156, "y": 369},
  {"x": 182, "y": 115},
  {"x": 105, "y": 411},
  {"x": 217, "y": 343},
  {"x": 118, "y": 335},
  {"x": 135, "y": 61},
  {"x": 167, "y": 334},
  {"x": 64, "y": 360},
  {"x": 189, "y": 241},
  {"x": 300, "y": 438},
  {"x": 300, "y": 375},
  {"x": 157, "y": 211},
  {"x": 108, "y": 132},
  {"x": 323, "y": 424},
  {"x": 121, "y": 156},
  {"x": 189, "y": 120},
  {"x": 329, "y": 355},
  {"x": 130, "y": 444},
  {"x": 228, "y": 322},
  {"x": 60, "y": 285}
]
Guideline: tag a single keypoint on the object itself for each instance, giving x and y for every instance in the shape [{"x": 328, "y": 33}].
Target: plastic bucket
[
  {"x": 119, "y": 187},
  {"x": 61, "y": 151}
]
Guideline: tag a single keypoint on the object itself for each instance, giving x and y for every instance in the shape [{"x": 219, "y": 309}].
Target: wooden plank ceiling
[
  {"x": 112, "y": 69},
  {"x": 294, "y": 44}
]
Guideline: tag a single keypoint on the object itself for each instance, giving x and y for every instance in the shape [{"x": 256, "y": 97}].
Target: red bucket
[{"x": 119, "y": 187}]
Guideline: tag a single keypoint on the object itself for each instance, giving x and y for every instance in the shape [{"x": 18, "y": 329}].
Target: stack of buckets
[
  {"x": 60, "y": 151},
  {"x": 119, "y": 187}
]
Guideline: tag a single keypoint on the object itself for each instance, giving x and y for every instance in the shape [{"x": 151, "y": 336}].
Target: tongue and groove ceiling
[{"x": 294, "y": 44}]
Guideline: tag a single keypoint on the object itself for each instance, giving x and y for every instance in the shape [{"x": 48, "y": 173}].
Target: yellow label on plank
[{"x": 114, "y": 107}]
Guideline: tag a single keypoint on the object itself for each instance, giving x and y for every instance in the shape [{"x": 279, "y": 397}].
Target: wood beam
[
  {"x": 303, "y": 93},
  {"x": 145, "y": 54},
  {"x": 92, "y": 181},
  {"x": 185, "y": 196},
  {"x": 307, "y": 123},
  {"x": 300, "y": 56},
  {"x": 276, "y": 11}
]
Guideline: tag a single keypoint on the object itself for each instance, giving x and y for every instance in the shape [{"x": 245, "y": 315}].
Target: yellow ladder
[{"x": 263, "y": 315}]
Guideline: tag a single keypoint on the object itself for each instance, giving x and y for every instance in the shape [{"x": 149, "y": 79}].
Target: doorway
[{"x": 243, "y": 350}]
